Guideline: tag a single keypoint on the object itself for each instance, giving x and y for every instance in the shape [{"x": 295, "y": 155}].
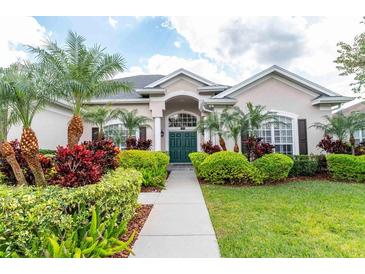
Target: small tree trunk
[
  {"x": 100, "y": 135},
  {"x": 29, "y": 147},
  {"x": 236, "y": 148},
  {"x": 352, "y": 142},
  {"x": 36, "y": 168},
  {"x": 8, "y": 152},
  {"x": 74, "y": 131},
  {"x": 222, "y": 143}
]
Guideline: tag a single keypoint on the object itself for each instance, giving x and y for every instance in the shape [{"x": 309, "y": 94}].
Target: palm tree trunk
[
  {"x": 75, "y": 130},
  {"x": 236, "y": 148},
  {"x": 100, "y": 134},
  {"x": 222, "y": 143},
  {"x": 352, "y": 142},
  {"x": 8, "y": 152},
  {"x": 29, "y": 147}
]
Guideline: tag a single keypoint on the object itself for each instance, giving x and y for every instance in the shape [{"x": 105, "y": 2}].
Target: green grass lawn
[{"x": 298, "y": 219}]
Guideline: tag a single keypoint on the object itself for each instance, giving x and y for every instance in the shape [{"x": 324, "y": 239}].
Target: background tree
[
  {"x": 234, "y": 120},
  {"x": 7, "y": 119},
  {"x": 256, "y": 117},
  {"x": 100, "y": 116},
  {"x": 132, "y": 122},
  {"x": 343, "y": 126},
  {"x": 351, "y": 60},
  {"x": 30, "y": 89},
  {"x": 214, "y": 123},
  {"x": 84, "y": 73}
]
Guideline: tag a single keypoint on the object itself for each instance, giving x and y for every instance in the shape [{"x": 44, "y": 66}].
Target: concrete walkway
[{"x": 178, "y": 225}]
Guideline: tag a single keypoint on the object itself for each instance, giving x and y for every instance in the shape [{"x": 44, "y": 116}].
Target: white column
[{"x": 157, "y": 133}]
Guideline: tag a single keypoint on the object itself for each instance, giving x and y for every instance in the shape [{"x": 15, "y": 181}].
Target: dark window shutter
[
  {"x": 302, "y": 132},
  {"x": 143, "y": 133},
  {"x": 94, "y": 133}
]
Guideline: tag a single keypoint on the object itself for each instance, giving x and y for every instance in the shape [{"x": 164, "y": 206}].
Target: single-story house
[{"x": 176, "y": 102}]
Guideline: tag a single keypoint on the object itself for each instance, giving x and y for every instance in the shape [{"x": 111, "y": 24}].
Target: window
[
  {"x": 359, "y": 136},
  {"x": 118, "y": 133},
  {"x": 279, "y": 134},
  {"x": 182, "y": 120}
]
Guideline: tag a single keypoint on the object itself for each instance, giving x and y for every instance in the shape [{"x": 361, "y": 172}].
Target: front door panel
[{"x": 180, "y": 145}]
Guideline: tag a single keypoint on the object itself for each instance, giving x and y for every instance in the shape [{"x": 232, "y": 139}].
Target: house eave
[
  {"x": 223, "y": 101},
  {"x": 331, "y": 100},
  {"x": 151, "y": 91},
  {"x": 119, "y": 101}
]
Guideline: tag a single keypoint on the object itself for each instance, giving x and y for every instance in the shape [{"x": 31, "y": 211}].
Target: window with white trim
[
  {"x": 359, "y": 136},
  {"x": 118, "y": 133},
  {"x": 182, "y": 120},
  {"x": 279, "y": 134}
]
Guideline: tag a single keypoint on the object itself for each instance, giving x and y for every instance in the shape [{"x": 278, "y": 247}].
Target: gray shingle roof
[{"x": 138, "y": 81}]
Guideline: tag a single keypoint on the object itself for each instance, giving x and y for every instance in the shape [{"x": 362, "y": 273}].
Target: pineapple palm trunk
[
  {"x": 75, "y": 130},
  {"x": 236, "y": 148},
  {"x": 352, "y": 142},
  {"x": 8, "y": 152},
  {"x": 222, "y": 143},
  {"x": 29, "y": 147}
]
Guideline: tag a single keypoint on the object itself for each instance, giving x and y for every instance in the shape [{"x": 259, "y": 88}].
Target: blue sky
[
  {"x": 226, "y": 50},
  {"x": 133, "y": 37}
]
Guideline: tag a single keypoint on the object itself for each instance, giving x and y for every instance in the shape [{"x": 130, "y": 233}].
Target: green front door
[{"x": 180, "y": 145}]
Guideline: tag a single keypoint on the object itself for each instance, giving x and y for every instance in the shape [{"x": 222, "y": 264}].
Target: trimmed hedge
[
  {"x": 274, "y": 166},
  {"x": 229, "y": 167},
  {"x": 346, "y": 167},
  {"x": 28, "y": 215},
  {"x": 152, "y": 165},
  {"x": 197, "y": 159},
  {"x": 304, "y": 165}
]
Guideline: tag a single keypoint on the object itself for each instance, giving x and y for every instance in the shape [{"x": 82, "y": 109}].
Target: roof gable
[
  {"x": 276, "y": 70},
  {"x": 177, "y": 73}
]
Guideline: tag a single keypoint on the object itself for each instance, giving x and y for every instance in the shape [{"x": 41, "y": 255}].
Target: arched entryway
[{"x": 181, "y": 120}]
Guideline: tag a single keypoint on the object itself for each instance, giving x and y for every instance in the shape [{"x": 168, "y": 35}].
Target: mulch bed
[
  {"x": 136, "y": 224},
  {"x": 319, "y": 176},
  {"x": 150, "y": 189}
]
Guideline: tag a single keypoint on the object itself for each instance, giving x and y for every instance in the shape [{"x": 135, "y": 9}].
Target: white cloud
[
  {"x": 15, "y": 32},
  {"x": 249, "y": 44},
  {"x": 163, "y": 64},
  {"x": 113, "y": 22},
  {"x": 177, "y": 44}
]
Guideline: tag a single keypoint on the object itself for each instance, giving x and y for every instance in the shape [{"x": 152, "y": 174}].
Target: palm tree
[
  {"x": 256, "y": 116},
  {"x": 30, "y": 89},
  {"x": 343, "y": 126},
  {"x": 132, "y": 121},
  {"x": 84, "y": 73},
  {"x": 100, "y": 116},
  {"x": 235, "y": 121},
  {"x": 214, "y": 123},
  {"x": 7, "y": 119}
]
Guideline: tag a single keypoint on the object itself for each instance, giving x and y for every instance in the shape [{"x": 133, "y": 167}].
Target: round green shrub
[
  {"x": 226, "y": 167},
  {"x": 346, "y": 167},
  {"x": 274, "y": 166},
  {"x": 197, "y": 159},
  {"x": 152, "y": 165}
]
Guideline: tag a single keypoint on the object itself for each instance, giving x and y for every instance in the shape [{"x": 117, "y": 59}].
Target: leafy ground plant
[
  {"x": 299, "y": 219},
  {"x": 95, "y": 240}
]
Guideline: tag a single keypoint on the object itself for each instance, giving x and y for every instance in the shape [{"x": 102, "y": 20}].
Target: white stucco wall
[{"x": 50, "y": 126}]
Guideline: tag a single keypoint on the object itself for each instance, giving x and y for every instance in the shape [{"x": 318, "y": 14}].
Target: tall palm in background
[
  {"x": 256, "y": 117},
  {"x": 214, "y": 123},
  {"x": 235, "y": 120},
  {"x": 132, "y": 122},
  {"x": 100, "y": 116},
  {"x": 30, "y": 89},
  {"x": 343, "y": 126},
  {"x": 84, "y": 73},
  {"x": 7, "y": 119}
]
